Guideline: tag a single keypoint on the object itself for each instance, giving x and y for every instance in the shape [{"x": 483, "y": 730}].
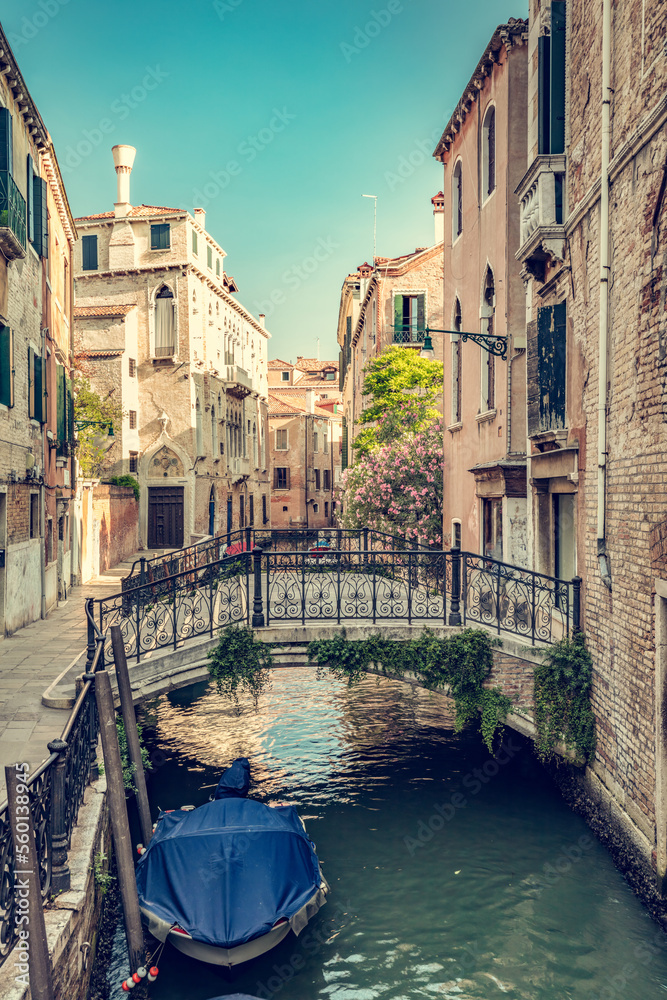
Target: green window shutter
[
  {"x": 217, "y": 267},
  {"x": 398, "y": 319},
  {"x": 43, "y": 397},
  {"x": 557, "y": 68},
  {"x": 89, "y": 253},
  {"x": 420, "y": 312},
  {"x": 6, "y": 141},
  {"x": 61, "y": 423},
  {"x": 209, "y": 257},
  {"x": 543, "y": 94},
  {"x": 551, "y": 365},
  {"x": 6, "y": 366},
  {"x": 194, "y": 241},
  {"x": 341, "y": 370},
  {"x": 30, "y": 174},
  {"x": 31, "y": 384},
  {"x": 160, "y": 236},
  {"x": 70, "y": 409},
  {"x": 40, "y": 217},
  {"x": 343, "y": 457},
  {"x": 37, "y": 394}
]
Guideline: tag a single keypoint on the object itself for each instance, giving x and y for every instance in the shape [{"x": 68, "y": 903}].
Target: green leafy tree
[
  {"x": 97, "y": 411},
  {"x": 403, "y": 388}
]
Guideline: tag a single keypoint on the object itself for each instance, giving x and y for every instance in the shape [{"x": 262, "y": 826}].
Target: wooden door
[{"x": 165, "y": 517}]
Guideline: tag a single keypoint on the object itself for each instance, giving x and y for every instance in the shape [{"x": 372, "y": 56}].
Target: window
[
  {"x": 315, "y": 441},
  {"x": 6, "y": 141},
  {"x": 565, "y": 562},
  {"x": 6, "y": 366},
  {"x": 284, "y": 376},
  {"x": 241, "y": 511},
  {"x": 316, "y": 508},
  {"x": 457, "y": 202},
  {"x": 217, "y": 267},
  {"x": 209, "y": 258},
  {"x": 492, "y": 528},
  {"x": 409, "y": 319},
  {"x": 194, "y": 242},
  {"x": 456, "y": 534},
  {"x": 214, "y": 434},
  {"x": 329, "y": 376},
  {"x": 165, "y": 331},
  {"x": 41, "y": 219},
  {"x": 160, "y": 236},
  {"x": 488, "y": 366},
  {"x": 199, "y": 429},
  {"x": 281, "y": 440},
  {"x": 134, "y": 460},
  {"x": 326, "y": 509},
  {"x": 457, "y": 358},
  {"x": 325, "y": 440},
  {"x": 281, "y": 479},
  {"x": 285, "y": 509},
  {"x": 251, "y": 509},
  {"x": 326, "y": 479},
  {"x": 317, "y": 479},
  {"x": 34, "y": 515},
  {"x": 89, "y": 253},
  {"x": 133, "y": 419},
  {"x": 30, "y": 215},
  {"x": 36, "y": 386},
  {"x": 547, "y": 362},
  {"x": 551, "y": 83},
  {"x": 132, "y": 367},
  {"x": 489, "y": 153},
  {"x": 264, "y": 517}
]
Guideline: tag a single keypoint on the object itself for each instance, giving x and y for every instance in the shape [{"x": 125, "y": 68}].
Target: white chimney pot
[{"x": 123, "y": 158}]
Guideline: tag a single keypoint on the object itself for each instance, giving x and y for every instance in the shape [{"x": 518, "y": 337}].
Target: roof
[
  {"x": 137, "y": 212},
  {"x": 114, "y": 353},
  {"x": 82, "y": 312},
  {"x": 277, "y": 364},
  {"x": 514, "y": 32},
  {"x": 314, "y": 365},
  {"x": 291, "y": 403}
]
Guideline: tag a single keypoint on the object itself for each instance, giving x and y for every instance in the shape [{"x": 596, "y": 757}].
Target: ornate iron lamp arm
[{"x": 493, "y": 343}]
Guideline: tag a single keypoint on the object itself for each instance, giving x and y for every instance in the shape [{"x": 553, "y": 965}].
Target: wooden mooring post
[
  {"x": 32, "y": 947},
  {"x": 131, "y": 734},
  {"x": 120, "y": 826}
]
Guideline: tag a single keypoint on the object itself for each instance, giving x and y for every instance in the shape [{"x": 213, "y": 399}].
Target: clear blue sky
[{"x": 289, "y": 111}]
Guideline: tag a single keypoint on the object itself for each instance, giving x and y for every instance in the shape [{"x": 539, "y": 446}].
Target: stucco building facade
[
  {"x": 37, "y": 236},
  {"x": 483, "y": 151},
  {"x": 159, "y": 327}
]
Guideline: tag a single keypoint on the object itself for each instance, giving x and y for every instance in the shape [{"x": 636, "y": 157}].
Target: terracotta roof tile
[
  {"x": 137, "y": 212},
  {"x": 277, "y": 363},
  {"x": 81, "y": 312},
  {"x": 101, "y": 354},
  {"x": 291, "y": 402}
]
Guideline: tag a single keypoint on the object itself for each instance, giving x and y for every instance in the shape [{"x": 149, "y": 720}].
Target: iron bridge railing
[
  {"x": 358, "y": 578},
  {"x": 56, "y": 789}
]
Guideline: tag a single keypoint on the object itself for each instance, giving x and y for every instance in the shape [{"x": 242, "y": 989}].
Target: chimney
[
  {"x": 200, "y": 217},
  {"x": 438, "y": 202},
  {"x": 262, "y": 320},
  {"x": 310, "y": 400},
  {"x": 123, "y": 158}
]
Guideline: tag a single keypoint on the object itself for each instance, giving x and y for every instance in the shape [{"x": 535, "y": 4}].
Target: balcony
[
  {"x": 542, "y": 213},
  {"x": 239, "y": 468},
  {"x": 239, "y": 383},
  {"x": 12, "y": 218},
  {"x": 409, "y": 335}
]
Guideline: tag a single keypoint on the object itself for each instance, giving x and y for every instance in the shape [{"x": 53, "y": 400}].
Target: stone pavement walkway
[{"x": 33, "y": 658}]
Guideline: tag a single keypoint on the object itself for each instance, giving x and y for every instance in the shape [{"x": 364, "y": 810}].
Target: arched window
[
  {"x": 165, "y": 330},
  {"x": 457, "y": 202},
  {"x": 214, "y": 434},
  {"x": 255, "y": 454},
  {"x": 456, "y": 365},
  {"x": 199, "y": 430},
  {"x": 489, "y": 152},
  {"x": 488, "y": 366}
]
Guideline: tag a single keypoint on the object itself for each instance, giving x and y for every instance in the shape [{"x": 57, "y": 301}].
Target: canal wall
[{"x": 72, "y": 918}]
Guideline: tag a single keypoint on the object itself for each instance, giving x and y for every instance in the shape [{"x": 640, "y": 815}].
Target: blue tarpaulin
[{"x": 227, "y": 871}]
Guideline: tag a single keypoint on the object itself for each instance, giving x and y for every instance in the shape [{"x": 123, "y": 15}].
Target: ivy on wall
[
  {"x": 240, "y": 664},
  {"x": 562, "y": 700}
]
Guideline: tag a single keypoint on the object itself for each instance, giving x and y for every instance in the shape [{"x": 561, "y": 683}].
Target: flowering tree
[{"x": 397, "y": 488}]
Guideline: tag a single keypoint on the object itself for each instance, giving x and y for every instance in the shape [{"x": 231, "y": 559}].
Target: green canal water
[{"x": 453, "y": 875}]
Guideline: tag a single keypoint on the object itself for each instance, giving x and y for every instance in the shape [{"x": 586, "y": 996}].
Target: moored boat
[{"x": 226, "y": 882}]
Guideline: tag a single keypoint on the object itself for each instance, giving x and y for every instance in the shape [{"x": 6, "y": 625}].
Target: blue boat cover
[
  {"x": 227, "y": 871},
  {"x": 235, "y": 781}
]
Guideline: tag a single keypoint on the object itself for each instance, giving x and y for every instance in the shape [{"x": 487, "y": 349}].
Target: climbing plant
[
  {"x": 562, "y": 704},
  {"x": 240, "y": 664},
  {"x": 126, "y": 480},
  {"x": 128, "y": 766},
  {"x": 460, "y": 663}
]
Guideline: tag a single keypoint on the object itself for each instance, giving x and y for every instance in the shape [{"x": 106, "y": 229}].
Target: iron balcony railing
[
  {"x": 408, "y": 334},
  {"x": 12, "y": 207},
  {"x": 56, "y": 792}
]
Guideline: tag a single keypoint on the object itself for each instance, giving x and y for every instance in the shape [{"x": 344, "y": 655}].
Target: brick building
[
  {"x": 305, "y": 422},
  {"x": 159, "y": 327},
  {"x": 390, "y": 302},
  {"x": 37, "y": 236},
  {"x": 483, "y": 151},
  {"x": 593, "y": 250}
]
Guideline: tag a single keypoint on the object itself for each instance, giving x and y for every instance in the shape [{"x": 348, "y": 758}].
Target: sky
[{"x": 276, "y": 116}]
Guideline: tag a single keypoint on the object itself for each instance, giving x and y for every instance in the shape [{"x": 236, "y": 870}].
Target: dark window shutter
[
  {"x": 557, "y": 109},
  {"x": 343, "y": 456},
  {"x": 40, "y": 217},
  {"x": 398, "y": 319},
  {"x": 37, "y": 395},
  {"x": 543, "y": 96},
  {"x": 6, "y": 141},
  {"x": 491, "y": 151},
  {"x": 6, "y": 366},
  {"x": 70, "y": 409},
  {"x": 287, "y": 472},
  {"x": 420, "y": 312},
  {"x": 61, "y": 423},
  {"x": 551, "y": 362},
  {"x": 44, "y": 398},
  {"x": 89, "y": 253},
  {"x": 30, "y": 215},
  {"x": 31, "y": 384}
]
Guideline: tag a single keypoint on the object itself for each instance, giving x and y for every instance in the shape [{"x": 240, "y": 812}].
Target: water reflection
[{"x": 453, "y": 875}]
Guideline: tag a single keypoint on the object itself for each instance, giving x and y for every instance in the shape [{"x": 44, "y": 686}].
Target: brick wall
[{"x": 118, "y": 514}]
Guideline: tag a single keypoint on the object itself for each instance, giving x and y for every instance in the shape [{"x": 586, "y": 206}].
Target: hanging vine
[
  {"x": 240, "y": 664},
  {"x": 562, "y": 700}
]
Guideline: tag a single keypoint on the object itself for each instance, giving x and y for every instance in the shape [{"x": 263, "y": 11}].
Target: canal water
[{"x": 453, "y": 875}]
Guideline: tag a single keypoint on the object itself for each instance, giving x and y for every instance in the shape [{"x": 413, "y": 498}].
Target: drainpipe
[{"x": 604, "y": 294}]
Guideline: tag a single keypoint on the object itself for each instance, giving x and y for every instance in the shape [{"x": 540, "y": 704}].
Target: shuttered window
[
  {"x": 457, "y": 202},
  {"x": 36, "y": 386},
  {"x": 551, "y": 83},
  {"x": 489, "y": 153},
  {"x": 40, "y": 217},
  {"x": 217, "y": 267},
  {"x": 6, "y": 141},
  {"x": 264, "y": 517},
  {"x": 343, "y": 453},
  {"x": 160, "y": 236},
  {"x": 209, "y": 258},
  {"x": 30, "y": 215},
  {"x": 61, "y": 404},
  {"x": 317, "y": 479},
  {"x": 194, "y": 242},
  {"x": 546, "y": 369},
  {"x": 326, "y": 479},
  {"x": 409, "y": 319},
  {"x": 89, "y": 253},
  {"x": 281, "y": 479},
  {"x": 6, "y": 366}
]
